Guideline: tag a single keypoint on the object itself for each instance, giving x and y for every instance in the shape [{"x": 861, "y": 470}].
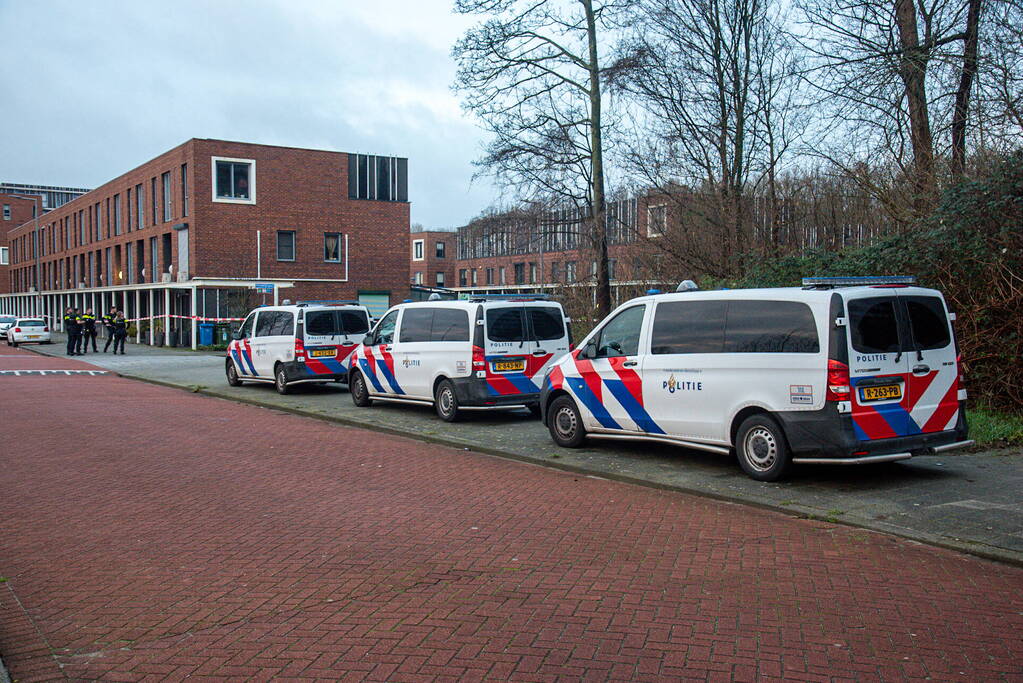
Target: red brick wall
[
  {"x": 431, "y": 265},
  {"x": 21, "y": 213},
  {"x": 295, "y": 189}
]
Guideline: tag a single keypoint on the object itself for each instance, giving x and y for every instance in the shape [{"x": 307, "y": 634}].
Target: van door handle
[
  {"x": 540, "y": 352},
  {"x": 348, "y": 343},
  {"x": 387, "y": 347},
  {"x": 921, "y": 369},
  {"x": 630, "y": 363}
]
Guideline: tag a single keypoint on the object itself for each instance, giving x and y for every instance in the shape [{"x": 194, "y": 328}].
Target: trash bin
[
  {"x": 223, "y": 334},
  {"x": 205, "y": 334}
]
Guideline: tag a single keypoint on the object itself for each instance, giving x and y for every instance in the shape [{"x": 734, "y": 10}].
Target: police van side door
[
  {"x": 376, "y": 360},
  {"x": 261, "y": 343},
  {"x": 413, "y": 361},
  {"x": 610, "y": 387}
]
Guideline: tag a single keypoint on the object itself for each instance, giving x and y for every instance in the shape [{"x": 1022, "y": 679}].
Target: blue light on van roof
[
  {"x": 653, "y": 291},
  {"x": 859, "y": 281}
]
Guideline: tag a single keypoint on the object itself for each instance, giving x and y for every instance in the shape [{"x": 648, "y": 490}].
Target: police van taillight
[
  {"x": 478, "y": 359},
  {"x": 838, "y": 381}
]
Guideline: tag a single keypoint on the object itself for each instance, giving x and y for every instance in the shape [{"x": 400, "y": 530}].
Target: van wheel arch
[
  {"x": 551, "y": 397},
  {"x": 436, "y": 383},
  {"x": 741, "y": 416}
]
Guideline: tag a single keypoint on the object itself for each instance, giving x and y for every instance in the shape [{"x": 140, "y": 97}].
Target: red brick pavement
[{"x": 152, "y": 534}]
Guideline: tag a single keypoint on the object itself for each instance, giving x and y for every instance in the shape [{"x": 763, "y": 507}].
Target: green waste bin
[{"x": 222, "y": 334}]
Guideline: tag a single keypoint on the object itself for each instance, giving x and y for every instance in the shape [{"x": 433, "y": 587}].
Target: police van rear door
[
  {"x": 878, "y": 365},
  {"x": 331, "y": 335},
  {"x": 933, "y": 379},
  {"x": 520, "y": 340}
]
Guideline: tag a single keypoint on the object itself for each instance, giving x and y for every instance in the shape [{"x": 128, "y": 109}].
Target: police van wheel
[
  {"x": 446, "y": 402},
  {"x": 232, "y": 374},
  {"x": 357, "y": 388},
  {"x": 761, "y": 448},
  {"x": 281, "y": 381},
  {"x": 565, "y": 423}
]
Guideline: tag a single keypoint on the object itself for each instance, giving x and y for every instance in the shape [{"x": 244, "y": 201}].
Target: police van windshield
[
  {"x": 526, "y": 323},
  {"x": 336, "y": 323}
]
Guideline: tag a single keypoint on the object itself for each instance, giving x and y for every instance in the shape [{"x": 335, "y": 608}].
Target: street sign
[{"x": 264, "y": 287}]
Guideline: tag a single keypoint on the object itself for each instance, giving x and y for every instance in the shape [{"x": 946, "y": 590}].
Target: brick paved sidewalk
[{"x": 149, "y": 534}]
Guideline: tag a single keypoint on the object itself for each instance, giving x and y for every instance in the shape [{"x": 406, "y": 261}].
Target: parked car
[
  {"x": 486, "y": 353},
  {"x": 28, "y": 331},
  {"x": 5, "y": 322},
  {"x": 296, "y": 344},
  {"x": 841, "y": 371}
]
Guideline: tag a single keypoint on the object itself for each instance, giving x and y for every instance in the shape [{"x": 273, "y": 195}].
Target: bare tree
[
  {"x": 1001, "y": 72},
  {"x": 531, "y": 74}
]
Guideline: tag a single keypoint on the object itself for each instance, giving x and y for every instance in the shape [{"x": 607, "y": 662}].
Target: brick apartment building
[
  {"x": 432, "y": 257},
  {"x": 192, "y": 232},
  {"x": 16, "y": 210}
]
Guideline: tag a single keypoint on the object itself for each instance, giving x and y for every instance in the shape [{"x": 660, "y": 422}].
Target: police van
[
  {"x": 840, "y": 371},
  {"x": 306, "y": 343},
  {"x": 480, "y": 354}
]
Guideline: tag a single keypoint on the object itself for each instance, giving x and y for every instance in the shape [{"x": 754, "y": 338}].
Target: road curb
[{"x": 974, "y": 549}]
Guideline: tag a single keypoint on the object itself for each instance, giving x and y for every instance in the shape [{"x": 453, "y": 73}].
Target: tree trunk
[
  {"x": 962, "y": 102},
  {"x": 598, "y": 207},
  {"x": 913, "y": 71}
]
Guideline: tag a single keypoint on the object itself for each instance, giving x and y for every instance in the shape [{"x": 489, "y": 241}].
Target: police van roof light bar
[
  {"x": 509, "y": 297},
  {"x": 329, "y": 302},
  {"x": 832, "y": 282}
]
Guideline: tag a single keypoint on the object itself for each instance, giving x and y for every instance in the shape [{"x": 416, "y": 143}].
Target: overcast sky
[{"x": 93, "y": 89}]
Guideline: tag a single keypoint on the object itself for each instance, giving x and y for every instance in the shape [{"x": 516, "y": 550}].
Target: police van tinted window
[
  {"x": 284, "y": 324},
  {"x": 450, "y": 324},
  {"x": 928, "y": 321},
  {"x": 505, "y": 325},
  {"x": 620, "y": 337},
  {"x": 321, "y": 323},
  {"x": 873, "y": 325},
  {"x": 265, "y": 323},
  {"x": 689, "y": 327},
  {"x": 770, "y": 327},
  {"x": 246, "y": 329},
  {"x": 353, "y": 322},
  {"x": 547, "y": 322},
  {"x": 416, "y": 325}
]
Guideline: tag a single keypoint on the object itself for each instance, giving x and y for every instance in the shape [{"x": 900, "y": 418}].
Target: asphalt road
[
  {"x": 970, "y": 502},
  {"x": 148, "y": 533}
]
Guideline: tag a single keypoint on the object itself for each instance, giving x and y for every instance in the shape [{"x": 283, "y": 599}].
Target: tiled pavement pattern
[
  {"x": 150, "y": 534},
  {"x": 967, "y": 501}
]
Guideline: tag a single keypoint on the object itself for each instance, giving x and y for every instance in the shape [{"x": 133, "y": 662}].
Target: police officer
[
  {"x": 120, "y": 331},
  {"x": 73, "y": 329},
  {"x": 88, "y": 331},
  {"x": 108, "y": 322}
]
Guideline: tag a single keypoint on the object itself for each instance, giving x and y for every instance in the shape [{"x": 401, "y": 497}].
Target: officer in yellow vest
[{"x": 88, "y": 331}]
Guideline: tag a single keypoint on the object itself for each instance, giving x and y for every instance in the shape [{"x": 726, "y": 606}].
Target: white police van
[
  {"x": 298, "y": 344},
  {"x": 841, "y": 371},
  {"x": 479, "y": 354}
]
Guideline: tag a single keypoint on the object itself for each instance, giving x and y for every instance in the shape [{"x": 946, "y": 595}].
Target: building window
[
  {"x": 440, "y": 249},
  {"x": 554, "y": 272},
  {"x": 490, "y": 276},
  {"x": 7, "y": 212},
  {"x": 117, "y": 214},
  {"x": 501, "y": 272},
  {"x": 380, "y": 178},
  {"x": 332, "y": 247},
  {"x": 184, "y": 190},
  {"x": 475, "y": 280},
  {"x": 234, "y": 180},
  {"x": 463, "y": 277},
  {"x": 139, "y": 206},
  {"x": 417, "y": 250},
  {"x": 418, "y": 278},
  {"x": 166, "y": 196},
  {"x": 440, "y": 278},
  {"x": 285, "y": 245},
  {"x": 127, "y": 211},
  {"x": 156, "y": 216},
  {"x": 4, "y": 256},
  {"x": 569, "y": 271},
  {"x": 520, "y": 273},
  {"x": 612, "y": 268},
  {"x": 532, "y": 273},
  {"x": 656, "y": 220}
]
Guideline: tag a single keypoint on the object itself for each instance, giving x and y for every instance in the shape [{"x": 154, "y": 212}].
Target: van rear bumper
[
  {"x": 825, "y": 435},
  {"x": 472, "y": 392},
  {"x": 299, "y": 372}
]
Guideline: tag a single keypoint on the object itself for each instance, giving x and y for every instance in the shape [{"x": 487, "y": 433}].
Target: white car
[
  {"x": 5, "y": 322},
  {"x": 299, "y": 344},
  {"x": 842, "y": 371},
  {"x": 486, "y": 353},
  {"x": 28, "y": 331}
]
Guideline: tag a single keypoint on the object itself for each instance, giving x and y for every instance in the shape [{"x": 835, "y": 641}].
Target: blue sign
[{"x": 264, "y": 287}]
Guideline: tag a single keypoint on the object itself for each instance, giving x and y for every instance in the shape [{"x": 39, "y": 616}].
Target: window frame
[
  {"x": 419, "y": 247},
  {"x": 294, "y": 245},
  {"x": 340, "y": 247},
  {"x": 252, "y": 180}
]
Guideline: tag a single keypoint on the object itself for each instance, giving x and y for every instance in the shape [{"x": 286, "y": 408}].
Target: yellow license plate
[
  {"x": 34, "y": 336},
  {"x": 882, "y": 393},
  {"x": 510, "y": 366},
  {"x": 319, "y": 353}
]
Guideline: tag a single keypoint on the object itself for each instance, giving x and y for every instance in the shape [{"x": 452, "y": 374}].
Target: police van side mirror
[
  {"x": 237, "y": 335},
  {"x": 368, "y": 340},
  {"x": 590, "y": 350}
]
